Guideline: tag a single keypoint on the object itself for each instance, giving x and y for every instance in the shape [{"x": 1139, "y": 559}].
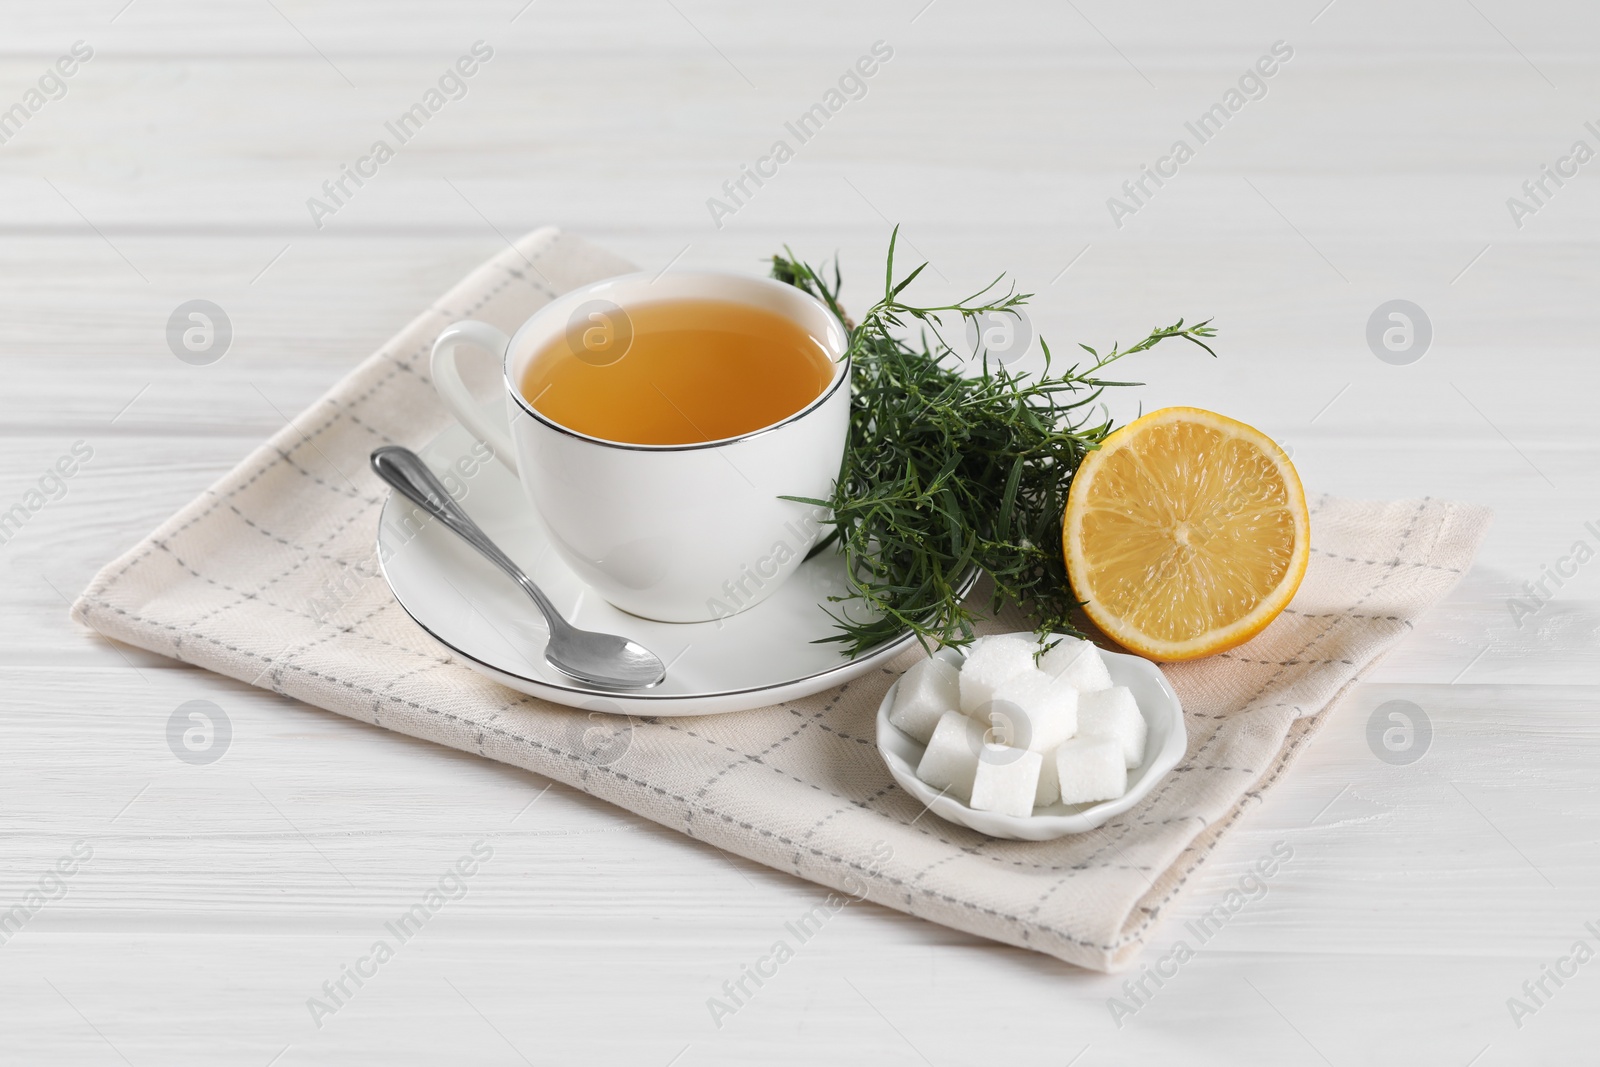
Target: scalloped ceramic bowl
[{"x": 1164, "y": 747}]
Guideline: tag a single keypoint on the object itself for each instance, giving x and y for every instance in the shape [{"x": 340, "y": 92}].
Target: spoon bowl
[{"x": 603, "y": 659}]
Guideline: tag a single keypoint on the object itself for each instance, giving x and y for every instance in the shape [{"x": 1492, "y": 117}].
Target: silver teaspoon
[{"x": 599, "y": 659}]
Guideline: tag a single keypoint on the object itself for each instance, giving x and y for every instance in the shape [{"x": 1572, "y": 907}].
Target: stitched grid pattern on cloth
[{"x": 232, "y": 583}]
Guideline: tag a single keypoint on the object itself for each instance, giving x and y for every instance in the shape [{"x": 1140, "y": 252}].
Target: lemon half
[{"x": 1185, "y": 534}]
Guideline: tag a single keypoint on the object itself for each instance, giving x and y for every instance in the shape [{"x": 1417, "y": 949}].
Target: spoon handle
[{"x": 404, "y": 469}]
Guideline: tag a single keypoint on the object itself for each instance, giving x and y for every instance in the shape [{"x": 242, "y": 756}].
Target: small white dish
[
  {"x": 759, "y": 657},
  {"x": 1164, "y": 747}
]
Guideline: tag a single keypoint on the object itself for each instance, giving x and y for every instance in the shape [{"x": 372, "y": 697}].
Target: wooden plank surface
[{"x": 218, "y": 899}]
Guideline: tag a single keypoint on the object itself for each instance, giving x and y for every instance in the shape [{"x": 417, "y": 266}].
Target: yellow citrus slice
[{"x": 1185, "y": 533}]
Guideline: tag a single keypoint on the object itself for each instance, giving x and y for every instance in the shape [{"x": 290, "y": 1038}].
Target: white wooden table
[{"x": 1377, "y": 166}]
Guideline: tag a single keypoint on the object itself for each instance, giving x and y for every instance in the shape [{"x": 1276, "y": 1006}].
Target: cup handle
[{"x": 485, "y": 423}]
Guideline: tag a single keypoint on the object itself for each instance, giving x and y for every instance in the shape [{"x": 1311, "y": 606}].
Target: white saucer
[
  {"x": 753, "y": 659},
  {"x": 1164, "y": 747}
]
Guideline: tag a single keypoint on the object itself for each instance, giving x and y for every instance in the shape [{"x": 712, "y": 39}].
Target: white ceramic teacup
[{"x": 677, "y": 533}]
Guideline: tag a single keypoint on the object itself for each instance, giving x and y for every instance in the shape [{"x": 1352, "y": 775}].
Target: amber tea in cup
[{"x": 676, "y": 372}]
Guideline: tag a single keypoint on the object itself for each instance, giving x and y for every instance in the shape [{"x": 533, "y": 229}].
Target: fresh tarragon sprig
[{"x": 946, "y": 473}]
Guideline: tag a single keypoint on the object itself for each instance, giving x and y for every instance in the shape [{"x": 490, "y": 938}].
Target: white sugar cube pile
[{"x": 1013, "y": 730}]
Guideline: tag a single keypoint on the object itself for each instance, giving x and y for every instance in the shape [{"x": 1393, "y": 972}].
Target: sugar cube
[
  {"x": 1090, "y": 769},
  {"x": 950, "y": 761},
  {"x": 1058, "y": 655},
  {"x": 1078, "y": 664},
  {"x": 927, "y": 691},
  {"x": 1049, "y": 789},
  {"x": 1007, "y": 779},
  {"x": 1032, "y": 710},
  {"x": 991, "y": 662},
  {"x": 1113, "y": 714}
]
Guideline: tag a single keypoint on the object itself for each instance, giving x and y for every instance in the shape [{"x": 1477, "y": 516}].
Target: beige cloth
[{"x": 233, "y": 583}]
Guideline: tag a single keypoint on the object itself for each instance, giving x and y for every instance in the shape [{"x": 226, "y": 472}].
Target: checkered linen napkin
[{"x": 230, "y": 583}]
